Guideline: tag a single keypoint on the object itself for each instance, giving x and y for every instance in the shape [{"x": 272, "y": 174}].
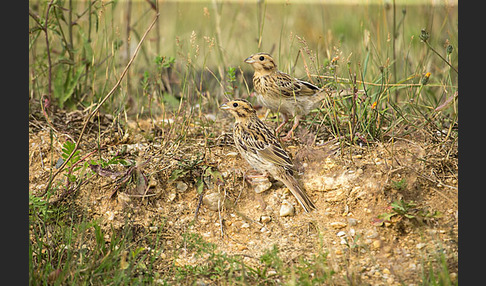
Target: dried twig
[
  {"x": 199, "y": 203},
  {"x": 306, "y": 67}
]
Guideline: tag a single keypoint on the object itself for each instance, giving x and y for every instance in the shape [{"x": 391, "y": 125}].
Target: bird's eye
[
  {"x": 235, "y": 104},
  {"x": 262, "y": 58}
]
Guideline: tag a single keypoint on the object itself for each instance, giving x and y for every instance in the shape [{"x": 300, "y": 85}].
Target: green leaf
[
  {"x": 137, "y": 251},
  {"x": 386, "y": 216},
  {"x": 67, "y": 149},
  {"x": 365, "y": 64},
  {"x": 64, "y": 85},
  {"x": 215, "y": 174},
  {"x": 72, "y": 83},
  {"x": 169, "y": 63},
  {"x": 200, "y": 186},
  {"x": 177, "y": 173}
]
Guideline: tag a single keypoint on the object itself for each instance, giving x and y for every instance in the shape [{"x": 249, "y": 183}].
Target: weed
[
  {"x": 435, "y": 270},
  {"x": 216, "y": 266},
  {"x": 399, "y": 185},
  {"x": 77, "y": 262},
  {"x": 401, "y": 209},
  {"x": 67, "y": 149},
  {"x": 211, "y": 264}
]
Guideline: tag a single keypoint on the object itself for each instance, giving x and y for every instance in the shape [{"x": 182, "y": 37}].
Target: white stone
[
  {"x": 341, "y": 233},
  {"x": 212, "y": 200},
  {"x": 287, "y": 209}
]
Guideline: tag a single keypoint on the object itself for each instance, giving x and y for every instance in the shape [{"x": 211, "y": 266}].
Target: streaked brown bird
[
  {"x": 281, "y": 92},
  {"x": 262, "y": 150}
]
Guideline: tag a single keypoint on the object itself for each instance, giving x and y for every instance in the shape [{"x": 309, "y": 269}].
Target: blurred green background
[{"x": 194, "y": 43}]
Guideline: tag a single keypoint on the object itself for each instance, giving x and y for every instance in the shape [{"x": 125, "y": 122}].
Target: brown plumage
[
  {"x": 262, "y": 150},
  {"x": 281, "y": 92}
]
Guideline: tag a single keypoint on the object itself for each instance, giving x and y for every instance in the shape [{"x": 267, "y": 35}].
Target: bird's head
[
  {"x": 240, "y": 108},
  {"x": 262, "y": 63}
]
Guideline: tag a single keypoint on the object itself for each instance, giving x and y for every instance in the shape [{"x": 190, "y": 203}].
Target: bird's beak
[
  {"x": 224, "y": 106},
  {"x": 249, "y": 60}
]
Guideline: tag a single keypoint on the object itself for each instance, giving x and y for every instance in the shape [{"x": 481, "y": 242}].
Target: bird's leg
[
  {"x": 291, "y": 132},
  {"x": 285, "y": 119},
  {"x": 255, "y": 176}
]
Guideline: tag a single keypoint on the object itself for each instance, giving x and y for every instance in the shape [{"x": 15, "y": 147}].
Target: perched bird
[
  {"x": 262, "y": 150},
  {"x": 281, "y": 92}
]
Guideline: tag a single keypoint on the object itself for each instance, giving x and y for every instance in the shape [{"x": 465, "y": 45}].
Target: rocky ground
[{"x": 386, "y": 212}]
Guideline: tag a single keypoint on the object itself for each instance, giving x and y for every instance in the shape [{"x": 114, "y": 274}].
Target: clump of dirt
[{"x": 353, "y": 187}]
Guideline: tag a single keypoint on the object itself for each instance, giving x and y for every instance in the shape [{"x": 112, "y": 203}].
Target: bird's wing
[
  {"x": 258, "y": 139},
  {"x": 290, "y": 86},
  {"x": 276, "y": 155}
]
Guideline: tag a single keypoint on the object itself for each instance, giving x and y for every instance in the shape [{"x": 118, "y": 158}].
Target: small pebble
[
  {"x": 212, "y": 200},
  {"x": 181, "y": 186},
  {"x": 338, "y": 224},
  {"x": 262, "y": 185},
  {"x": 376, "y": 244},
  {"x": 265, "y": 219},
  {"x": 420, "y": 245},
  {"x": 287, "y": 209},
  {"x": 171, "y": 197},
  {"x": 123, "y": 198},
  {"x": 352, "y": 221}
]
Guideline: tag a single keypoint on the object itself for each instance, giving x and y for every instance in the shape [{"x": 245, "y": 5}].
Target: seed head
[
  {"x": 424, "y": 35},
  {"x": 449, "y": 49}
]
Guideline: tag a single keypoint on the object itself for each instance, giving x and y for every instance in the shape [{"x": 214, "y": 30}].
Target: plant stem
[
  {"x": 261, "y": 22},
  {"x": 394, "y": 48},
  {"x": 49, "y": 62},
  {"x": 433, "y": 50},
  {"x": 127, "y": 35}
]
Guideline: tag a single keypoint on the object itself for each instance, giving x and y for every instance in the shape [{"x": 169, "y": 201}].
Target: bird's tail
[{"x": 297, "y": 191}]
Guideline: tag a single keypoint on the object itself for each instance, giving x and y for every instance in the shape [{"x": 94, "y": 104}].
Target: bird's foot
[{"x": 289, "y": 136}]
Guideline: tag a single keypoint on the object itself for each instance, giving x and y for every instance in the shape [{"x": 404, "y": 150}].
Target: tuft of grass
[
  {"x": 270, "y": 268},
  {"x": 435, "y": 271},
  {"x": 85, "y": 255}
]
